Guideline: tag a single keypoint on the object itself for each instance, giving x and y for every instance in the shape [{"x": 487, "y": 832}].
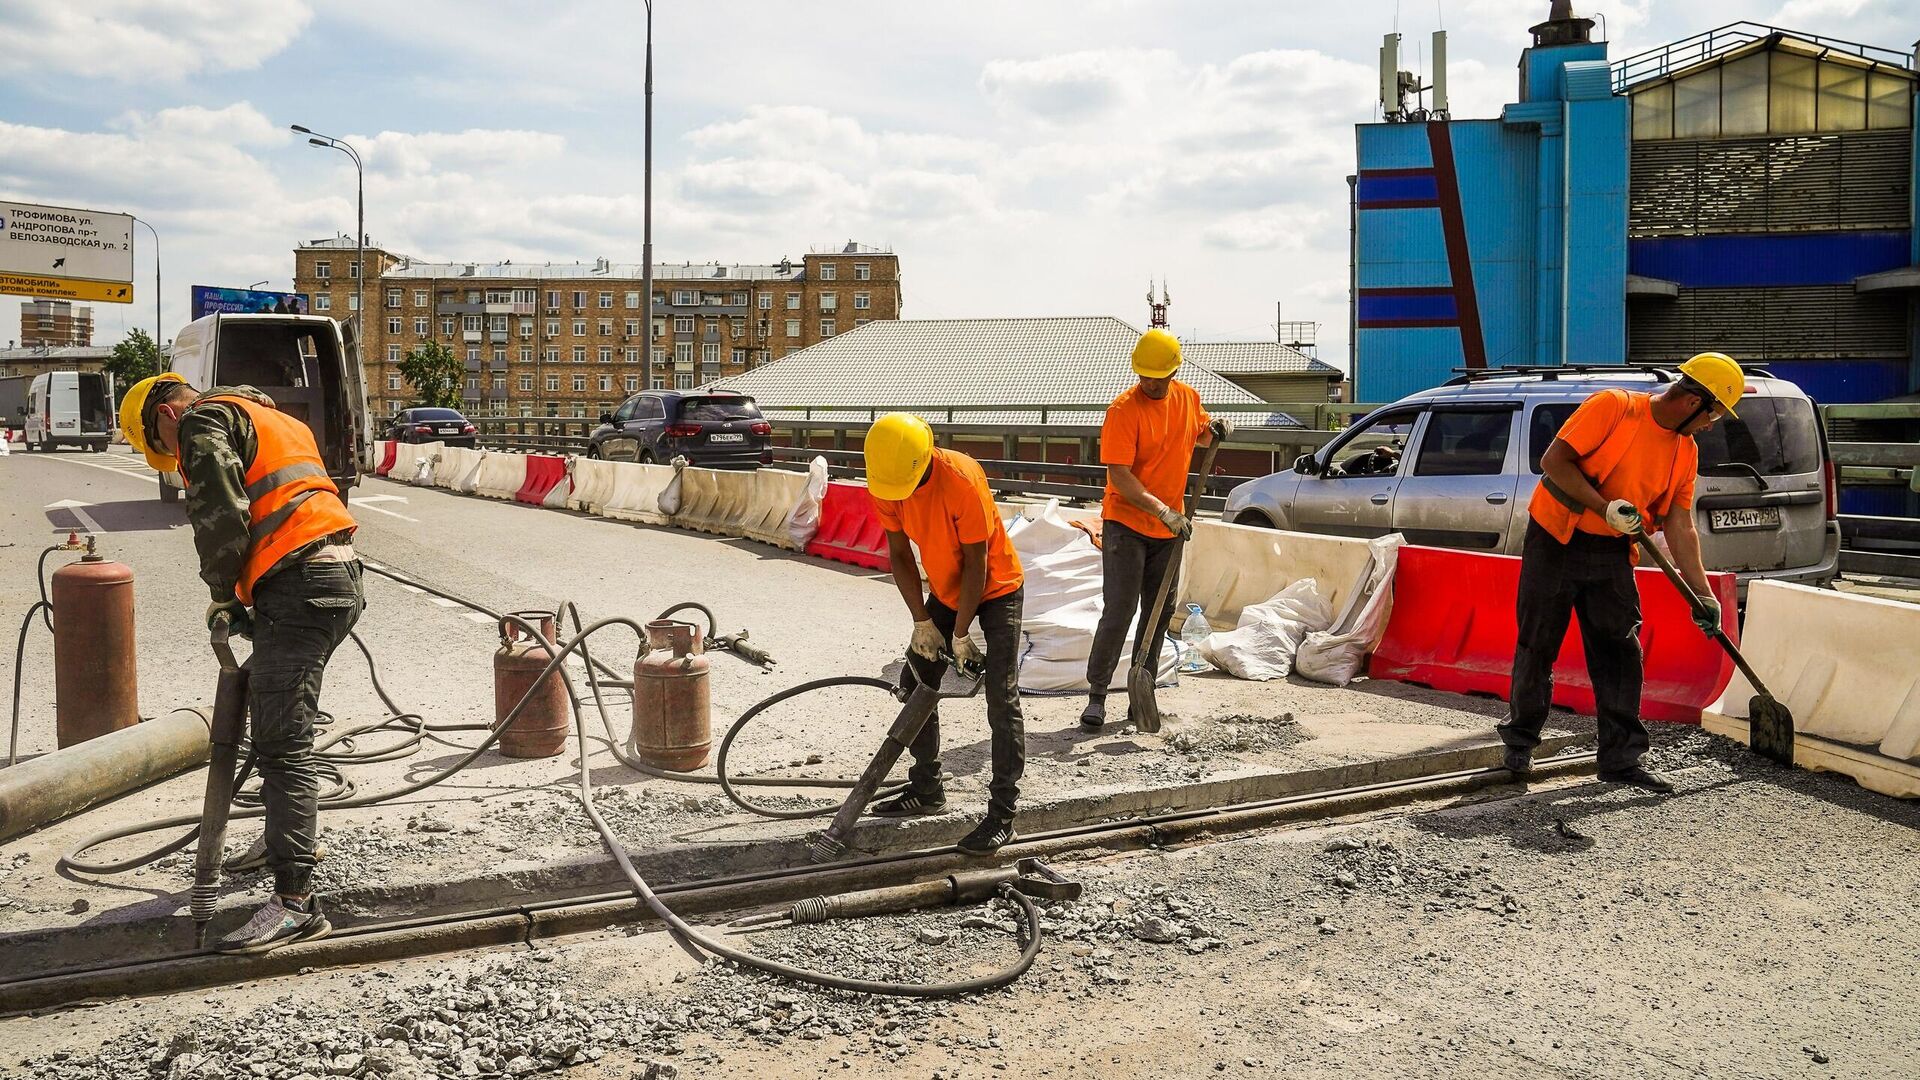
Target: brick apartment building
[
  {"x": 564, "y": 339},
  {"x": 55, "y": 324}
]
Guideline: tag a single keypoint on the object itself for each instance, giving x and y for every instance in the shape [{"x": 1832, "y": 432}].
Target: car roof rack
[{"x": 1552, "y": 372}]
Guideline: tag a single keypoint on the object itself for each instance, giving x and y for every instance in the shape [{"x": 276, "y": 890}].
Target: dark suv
[
  {"x": 424, "y": 425},
  {"x": 713, "y": 429}
]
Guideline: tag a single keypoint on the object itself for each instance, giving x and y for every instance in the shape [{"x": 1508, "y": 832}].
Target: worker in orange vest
[
  {"x": 1624, "y": 463},
  {"x": 276, "y": 549}
]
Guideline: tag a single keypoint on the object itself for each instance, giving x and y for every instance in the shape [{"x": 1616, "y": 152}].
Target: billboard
[
  {"x": 211, "y": 299},
  {"x": 66, "y": 254}
]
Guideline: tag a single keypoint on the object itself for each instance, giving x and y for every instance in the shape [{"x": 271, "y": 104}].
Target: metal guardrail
[
  {"x": 1664, "y": 59},
  {"x": 1004, "y": 477}
]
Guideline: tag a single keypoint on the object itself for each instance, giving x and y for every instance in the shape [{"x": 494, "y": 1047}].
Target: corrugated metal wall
[
  {"x": 1809, "y": 322},
  {"x": 1282, "y": 387},
  {"x": 1856, "y": 180}
]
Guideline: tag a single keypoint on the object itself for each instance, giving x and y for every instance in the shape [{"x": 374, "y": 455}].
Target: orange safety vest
[
  {"x": 1559, "y": 514},
  {"x": 292, "y": 502}
]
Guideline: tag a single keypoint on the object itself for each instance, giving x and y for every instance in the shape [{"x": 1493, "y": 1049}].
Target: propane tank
[
  {"x": 672, "y": 725},
  {"x": 541, "y": 728},
  {"x": 95, "y": 679}
]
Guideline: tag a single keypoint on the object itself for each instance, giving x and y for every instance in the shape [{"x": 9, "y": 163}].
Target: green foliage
[
  {"x": 435, "y": 373},
  {"x": 134, "y": 357}
]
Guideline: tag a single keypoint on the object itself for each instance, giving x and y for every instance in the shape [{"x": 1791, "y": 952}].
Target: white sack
[
  {"x": 1262, "y": 646},
  {"x": 669, "y": 500},
  {"x": 1336, "y": 656},
  {"x": 804, "y": 521},
  {"x": 1062, "y": 606}
]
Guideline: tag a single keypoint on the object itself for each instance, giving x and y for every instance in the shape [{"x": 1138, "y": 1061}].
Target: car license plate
[
  {"x": 726, "y": 436},
  {"x": 450, "y": 429},
  {"x": 1758, "y": 517}
]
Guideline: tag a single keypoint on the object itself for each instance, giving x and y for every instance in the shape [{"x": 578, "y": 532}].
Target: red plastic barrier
[
  {"x": 849, "y": 532},
  {"x": 543, "y": 473},
  {"x": 1453, "y": 629},
  {"x": 387, "y": 458}
]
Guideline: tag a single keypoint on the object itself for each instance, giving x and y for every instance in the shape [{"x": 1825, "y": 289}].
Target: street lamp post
[
  {"x": 256, "y": 284},
  {"x": 360, "y": 220},
  {"x": 646, "y": 203},
  {"x": 156, "y": 283}
]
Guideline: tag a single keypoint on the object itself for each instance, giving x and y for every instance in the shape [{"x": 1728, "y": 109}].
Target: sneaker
[
  {"x": 1094, "y": 716},
  {"x": 1518, "y": 762},
  {"x": 910, "y": 803},
  {"x": 277, "y": 924},
  {"x": 1635, "y": 776},
  {"x": 255, "y": 857},
  {"x": 988, "y": 836}
]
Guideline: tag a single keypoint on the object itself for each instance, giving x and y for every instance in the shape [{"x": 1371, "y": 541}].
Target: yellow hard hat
[
  {"x": 133, "y": 405},
  {"x": 1156, "y": 355},
  {"x": 1720, "y": 375},
  {"x": 899, "y": 447}
]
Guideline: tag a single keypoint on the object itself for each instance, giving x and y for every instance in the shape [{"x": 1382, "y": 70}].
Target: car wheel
[
  {"x": 593, "y": 451},
  {"x": 1256, "y": 519},
  {"x": 645, "y": 458}
]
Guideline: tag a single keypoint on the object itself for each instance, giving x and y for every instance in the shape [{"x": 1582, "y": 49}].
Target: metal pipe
[
  {"x": 65, "y": 782},
  {"x": 228, "y": 727}
]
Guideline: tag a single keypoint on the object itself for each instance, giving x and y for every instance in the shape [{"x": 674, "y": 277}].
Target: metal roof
[
  {"x": 1254, "y": 358},
  {"x": 599, "y": 271},
  {"x": 932, "y": 363}
]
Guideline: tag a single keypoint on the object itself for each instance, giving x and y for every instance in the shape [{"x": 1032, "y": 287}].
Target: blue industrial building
[{"x": 1748, "y": 190}]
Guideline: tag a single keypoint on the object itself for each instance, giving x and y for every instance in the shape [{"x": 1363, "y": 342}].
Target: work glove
[
  {"x": 968, "y": 655},
  {"x": 1706, "y": 615},
  {"x": 926, "y": 642},
  {"x": 1221, "y": 427},
  {"x": 1623, "y": 517},
  {"x": 238, "y": 624},
  {"x": 1173, "y": 520}
]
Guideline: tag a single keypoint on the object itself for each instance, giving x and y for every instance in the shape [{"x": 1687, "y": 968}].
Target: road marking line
[
  {"x": 361, "y": 504},
  {"x": 73, "y": 506},
  {"x": 444, "y": 602},
  {"x": 480, "y": 617},
  {"x": 410, "y": 588}
]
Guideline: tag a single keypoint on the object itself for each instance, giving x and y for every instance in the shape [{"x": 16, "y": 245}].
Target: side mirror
[
  {"x": 1305, "y": 465},
  {"x": 606, "y": 418}
]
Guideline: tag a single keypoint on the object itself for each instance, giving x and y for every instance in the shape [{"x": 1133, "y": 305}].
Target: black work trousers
[
  {"x": 1131, "y": 565},
  {"x": 301, "y": 613},
  {"x": 1589, "y": 578},
  {"x": 999, "y": 621}
]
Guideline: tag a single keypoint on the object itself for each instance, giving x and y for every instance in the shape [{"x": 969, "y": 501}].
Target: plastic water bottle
[{"x": 1192, "y": 633}]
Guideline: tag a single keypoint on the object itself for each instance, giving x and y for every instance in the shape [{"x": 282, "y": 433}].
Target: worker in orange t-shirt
[
  {"x": 1623, "y": 463},
  {"x": 1147, "y": 446},
  {"x": 938, "y": 500}
]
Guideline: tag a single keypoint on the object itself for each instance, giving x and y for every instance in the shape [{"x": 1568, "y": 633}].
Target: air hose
[{"x": 42, "y": 607}]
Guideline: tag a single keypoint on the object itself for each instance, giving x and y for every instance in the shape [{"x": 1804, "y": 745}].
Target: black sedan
[
  {"x": 425, "y": 425},
  {"x": 713, "y": 429}
]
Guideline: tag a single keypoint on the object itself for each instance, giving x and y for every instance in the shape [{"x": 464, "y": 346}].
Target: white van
[
  {"x": 308, "y": 364},
  {"x": 69, "y": 408}
]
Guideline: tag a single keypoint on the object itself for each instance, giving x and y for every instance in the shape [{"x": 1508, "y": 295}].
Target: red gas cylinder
[
  {"x": 94, "y": 674},
  {"x": 672, "y": 713},
  {"x": 541, "y": 728}
]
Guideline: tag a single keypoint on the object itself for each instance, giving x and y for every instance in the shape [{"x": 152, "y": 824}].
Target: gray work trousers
[
  {"x": 1131, "y": 565},
  {"x": 999, "y": 621}
]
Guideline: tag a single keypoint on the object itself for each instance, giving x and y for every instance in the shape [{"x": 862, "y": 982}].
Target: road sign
[{"x": 66, "y": 254}]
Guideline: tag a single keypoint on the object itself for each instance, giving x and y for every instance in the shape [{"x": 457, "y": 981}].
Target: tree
[
  {"x": 435, "y": 374},
  {"x": 134, "y": 357}
]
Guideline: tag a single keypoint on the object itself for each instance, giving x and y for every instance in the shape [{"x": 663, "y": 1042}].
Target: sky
[{"x": 1023, "y": 157}]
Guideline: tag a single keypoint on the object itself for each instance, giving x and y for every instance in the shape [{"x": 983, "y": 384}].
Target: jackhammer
[
  {"x": 229, "y": 725},
  {"x": 1030, "y": 876},
  {"x": 919, "y": 705}
]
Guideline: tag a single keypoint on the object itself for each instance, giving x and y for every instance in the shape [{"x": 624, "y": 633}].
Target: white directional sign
[{"x": 66, "y": 254}]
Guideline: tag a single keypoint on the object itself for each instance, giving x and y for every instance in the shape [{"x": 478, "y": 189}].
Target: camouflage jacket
[{"x": 217, "y": 442}]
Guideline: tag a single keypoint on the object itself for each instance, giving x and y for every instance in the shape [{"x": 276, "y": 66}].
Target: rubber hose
[
  {"x": 726, "y": 744},
  {"x": 19, "y": 659},
  {"x": 713, "y": 625}
]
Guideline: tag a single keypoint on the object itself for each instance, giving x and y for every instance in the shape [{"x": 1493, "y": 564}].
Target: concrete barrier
[
  {"x": 561, "y": 494},
  {"x": 456, "y": 468},
  {"x": 500, "y": 475},
  {"x": 770, "y": 503},
  {"x": 592, "y": 484},
  {"x": 713, "y": 500},
  {"x": 1226, "y": 567},
  {"x": 635, "y": 492},
  {"x": 408, "y": 456},
  {"x": 1848, "y": 668}
]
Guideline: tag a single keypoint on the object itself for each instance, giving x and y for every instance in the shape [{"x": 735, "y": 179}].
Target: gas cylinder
[
  {"x": 95, "y": 681},
  {"x": 541, "y": 728},
  {"x": 672, "y": 713}
]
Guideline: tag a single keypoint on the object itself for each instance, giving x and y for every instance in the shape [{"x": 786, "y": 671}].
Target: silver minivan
[{"x": 1455, "y": 466}]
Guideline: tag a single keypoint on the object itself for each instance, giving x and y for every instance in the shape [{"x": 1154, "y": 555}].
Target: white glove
[
  {"x": 1179, "y": 526},
  {"x": 968, "y": 655},
  {"x": 926, "y": 642},
  {"x": 1624, "y": 517},
  {"x": 1707, "y": 615},
  {"x": 1222, "y": 428}
]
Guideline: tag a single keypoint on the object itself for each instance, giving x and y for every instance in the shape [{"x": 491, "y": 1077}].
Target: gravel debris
[
  {"x": 1235, "y": 734},
  {"x": 640, "y": 814}
]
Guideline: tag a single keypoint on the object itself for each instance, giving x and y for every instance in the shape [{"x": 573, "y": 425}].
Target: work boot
[
  {"x": 255, "y": 857},
  {"x": 910, "y": 803},
  {"x": 1518, "y": 762},
  {"x": 1635, "y": 776},
  {"x": 988, "y": 836},
  {"x": 278, "y": 922},
  {"x": 1094, "y": 716}
]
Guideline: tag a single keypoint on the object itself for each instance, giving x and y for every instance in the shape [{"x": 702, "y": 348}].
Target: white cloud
[
  {"x": 1071, "y": 87},
  {"x": 146, "y": 40},
  {"x": 416, "y": 154}
]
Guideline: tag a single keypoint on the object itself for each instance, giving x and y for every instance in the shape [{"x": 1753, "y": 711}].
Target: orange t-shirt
[
  {"x": 1155, "y": 439},
  {"x": 952, "y": 508},
  {"x": 1625, "y": 454}
]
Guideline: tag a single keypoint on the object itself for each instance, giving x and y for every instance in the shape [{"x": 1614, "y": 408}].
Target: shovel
[
  {"x": 1140, "y": 697},
  {"x": 1770, "y": 725}
]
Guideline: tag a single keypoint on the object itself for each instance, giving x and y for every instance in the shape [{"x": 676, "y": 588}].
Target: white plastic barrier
[
  {"x": 1848, "y": 668},
  {"x": 369, "y": 460},
  {"x": 560, "y": 494},
  {"x": 635, "y": 493},
  {"x": 592, "y": 484},
  {"x": 771, "y": 497},
  {"x": 407, "y": 459},
  {"x": 456, "y": 468},
  {"x": 500, "y": 475},
  {"x": 1226, "y": 567},
  {"x": 713, "y": 500}
]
